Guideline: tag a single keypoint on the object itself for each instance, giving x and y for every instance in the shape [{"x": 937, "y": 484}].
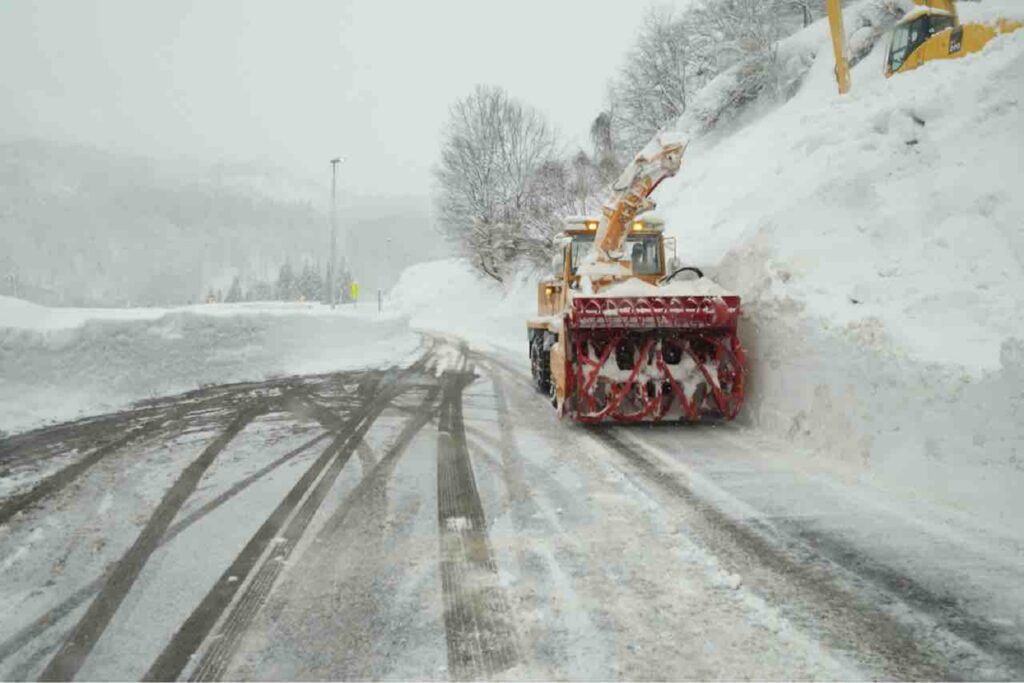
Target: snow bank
[
  {"x": 677, "y": 287},
  {"x": 877, "y": 242},
  {"x": 448, "y": 297},
  {"x": 56, "y": 364},
  {"x": 20, "y": 314}
]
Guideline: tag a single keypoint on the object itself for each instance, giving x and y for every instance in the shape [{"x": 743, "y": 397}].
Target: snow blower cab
[
  {"x": 646, "y": 245},
  {"x": 622, "y": 336}
]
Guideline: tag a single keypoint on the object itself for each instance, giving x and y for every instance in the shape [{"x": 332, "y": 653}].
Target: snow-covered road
[{"x": 230, "y": 533}]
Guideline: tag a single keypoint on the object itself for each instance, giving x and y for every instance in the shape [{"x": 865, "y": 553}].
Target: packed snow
[
  {"x": 447, "y": 297},
  {"x": 60, "y": 363},
  {"x": 876, "y": 242},
  {"x": 677, "y": 287}
]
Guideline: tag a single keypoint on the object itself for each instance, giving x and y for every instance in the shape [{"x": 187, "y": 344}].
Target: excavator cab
[
  {"x": 932, "y": 31},
  {"x": 912, "y": 33}
]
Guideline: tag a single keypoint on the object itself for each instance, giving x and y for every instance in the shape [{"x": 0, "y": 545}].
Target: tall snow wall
[{"x": 878, "y": 242}]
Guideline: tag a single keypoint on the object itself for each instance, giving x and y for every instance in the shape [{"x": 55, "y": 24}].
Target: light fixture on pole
[{"x": 332, "y": 296}]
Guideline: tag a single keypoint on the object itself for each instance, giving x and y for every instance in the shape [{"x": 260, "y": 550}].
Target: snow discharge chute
[{"x": 621, "y": 338}]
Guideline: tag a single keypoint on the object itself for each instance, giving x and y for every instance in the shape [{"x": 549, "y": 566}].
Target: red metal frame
[{"x": 617, "y": 366}]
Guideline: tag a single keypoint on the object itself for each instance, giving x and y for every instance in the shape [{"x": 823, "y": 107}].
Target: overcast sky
[{"x": 294, "y": 83}]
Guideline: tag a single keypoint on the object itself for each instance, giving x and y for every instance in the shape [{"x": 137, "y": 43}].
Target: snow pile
[
  {"x": 448, "y": 297},
  {"x": 677, "y": 287},
  {"x": 56, "y": 364},
  {"x": 21, "y": 314},
  {"x": 876, "y": 241}
]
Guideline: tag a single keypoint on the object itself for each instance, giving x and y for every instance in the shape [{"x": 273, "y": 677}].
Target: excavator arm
[
  {"x": 948, "y": 6},
  {"x": 835, "y": 24}
]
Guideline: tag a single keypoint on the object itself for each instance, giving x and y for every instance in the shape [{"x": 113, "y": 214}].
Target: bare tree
[
  {"x": 587, "y": 185},
  {"x": 558, "y": 188},
  {"x": 741, "y": 30},
  {"x": 493, "y": 149},
  {"x": 653, "y": 84},
  {"x": 607, "y": 159},
  {"x": 807, "y": 10}
]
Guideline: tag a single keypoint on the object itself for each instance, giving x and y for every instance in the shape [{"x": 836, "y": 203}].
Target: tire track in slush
[
  {"x": 225, "y": 641},
  {"x": 799, "y": 577},
  {"x": 479, "y": 627},
  {"x": 40, "y": 625},
  {"x": 190, "y": 635},
  {"x": 142, "y": 423},
  {"x": 1002, "y": 644},
  {"x": 317, "y": 482},
  {"x": 17, "y": 449},
  {"x": 167, "y": 413},
  {"x": 66, "y": 475},
  {"x": 805, "y": 574},
  {"x": 69, "y": 659}
]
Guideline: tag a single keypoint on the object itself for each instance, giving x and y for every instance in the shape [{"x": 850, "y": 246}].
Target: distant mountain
[{"x": 87, "y": 227}]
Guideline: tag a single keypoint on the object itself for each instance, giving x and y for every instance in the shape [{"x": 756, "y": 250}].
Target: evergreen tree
[
  {"x": 235, "y": 291},
  {"x": 285, "y": 289},
  {"x": 321, "y": 283},
  {"x": 343, "y": 284},
  {"x": 309, "y": 282},
  {"x": 261, "y": 290}
]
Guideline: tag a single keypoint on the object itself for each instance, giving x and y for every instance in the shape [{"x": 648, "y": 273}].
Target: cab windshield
[
  {"x": 908, "y": 37},
  {"x": 643, "y": 251}
]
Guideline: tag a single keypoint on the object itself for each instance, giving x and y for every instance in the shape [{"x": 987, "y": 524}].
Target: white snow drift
[
  {"x": 877, "y": 242},
  {"x": 60, "y": 363},
  {"x": 447, "y": 297}
]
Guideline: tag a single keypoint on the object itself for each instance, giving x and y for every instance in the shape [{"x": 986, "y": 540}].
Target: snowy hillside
[
  {"x": 876, "y": 241},
  {"x": 892, "y": 203}
]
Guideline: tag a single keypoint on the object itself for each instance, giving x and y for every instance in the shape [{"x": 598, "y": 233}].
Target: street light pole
[{"x": 330, "y": 266}]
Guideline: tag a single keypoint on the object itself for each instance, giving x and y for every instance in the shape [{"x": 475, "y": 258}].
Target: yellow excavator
[{"x": 928, "y": 31}]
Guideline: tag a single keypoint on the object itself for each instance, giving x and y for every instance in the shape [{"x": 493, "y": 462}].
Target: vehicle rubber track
[{"x": 480, "y": 631}]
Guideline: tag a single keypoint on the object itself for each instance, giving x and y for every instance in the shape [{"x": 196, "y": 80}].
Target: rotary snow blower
[{"x": 620, "y": 337}]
